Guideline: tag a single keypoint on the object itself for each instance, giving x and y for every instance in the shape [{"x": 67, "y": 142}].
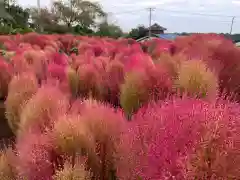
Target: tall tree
[
  {"x": 138, "y": 32},
  {"x": 20, "y": 16},
  {"x": 4, "y": 14},
  {"x": 43, "y": 17},
  {"x": 82, "y": 12},
  {"x": 110, "y": 30},
  {"x": 46, "y": 20}
]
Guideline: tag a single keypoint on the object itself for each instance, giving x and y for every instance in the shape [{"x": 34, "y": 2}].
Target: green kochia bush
[
  {"x": 105, "y": 129},
  {"x": 77, "y": 172},
  {"x": 195, "y": 79},
  {"x": 71, "y": 136},
  {"x": 43, "y": 109},
  {"x": 21, "y": 88},
  {"x": 140, "y": 88},
  {"x": 73, "y": 81},
  {"x": 7, "y": 169}
]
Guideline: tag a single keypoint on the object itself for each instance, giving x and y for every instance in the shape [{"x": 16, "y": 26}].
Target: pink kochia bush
[
  {"x": 34, "y": 156},
  {"x": 56, "y": 71},
  {"x": 113, "y": 79},
  {"x": 60, "y": 59},
  {"x": 37, "y": 60},
  {"x": 182, "y": 139}
]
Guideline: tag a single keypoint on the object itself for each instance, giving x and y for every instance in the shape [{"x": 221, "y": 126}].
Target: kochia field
[{"x": 91, "y": 108}]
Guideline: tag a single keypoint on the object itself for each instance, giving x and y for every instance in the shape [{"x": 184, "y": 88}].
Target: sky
[{"x": 175, "y": 15}]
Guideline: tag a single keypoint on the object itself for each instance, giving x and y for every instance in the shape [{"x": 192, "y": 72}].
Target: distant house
[
  {"x": 156, "y": 29},
  {"x": 237, "y": 44}
]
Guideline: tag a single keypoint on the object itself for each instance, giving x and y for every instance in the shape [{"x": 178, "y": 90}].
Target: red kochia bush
[
  {"x": 113, "y": 79},
  {"x": 5, "y": 77},
  {"x": 182, "y": 139},
  {"x": 20, "y": 64},
  {"x": 57, "y": 72},
  {"x": 60, "y": 59}
]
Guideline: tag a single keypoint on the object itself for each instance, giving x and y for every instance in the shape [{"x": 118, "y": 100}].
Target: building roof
[
  {"x": 237, "y": 44},
  {"x": 169, "y": 36},
  {"x": 156, "y": 27}
]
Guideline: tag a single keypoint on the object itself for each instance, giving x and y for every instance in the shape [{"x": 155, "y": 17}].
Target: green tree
[
  {"x": 138, "y": 32},
  {"x": 81, "y": 12},
  {"x": 43, "y": 18},
  {"x": 110, "y": 30},
  {"x": 13, "y": 18},
  {"x": 4, "y": 14},
  {"x": 20, "y": 16}
]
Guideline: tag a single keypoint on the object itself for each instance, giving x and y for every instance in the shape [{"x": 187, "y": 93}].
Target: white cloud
[{"x": 236, "y": 2}]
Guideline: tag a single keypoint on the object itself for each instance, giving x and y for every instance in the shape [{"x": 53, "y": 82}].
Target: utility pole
[
  {"x": 38, "y": 6},
  {"x": 39, "y": 14},
  {"x": 233, "y": 18},
  {"x": 150, "y": 21}
]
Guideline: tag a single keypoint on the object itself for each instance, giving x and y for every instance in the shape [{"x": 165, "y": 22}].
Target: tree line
[
  {"x": 81, "y": 17},
  {"x": 70, "y": 16}
]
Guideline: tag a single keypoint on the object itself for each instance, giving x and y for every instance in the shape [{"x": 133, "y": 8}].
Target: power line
[
  {"x": 180, "y": 12},
  {"x": 136, "y": 12},
  {"x": 195, "y": 13},
  {"x": 126, "y": 12}
]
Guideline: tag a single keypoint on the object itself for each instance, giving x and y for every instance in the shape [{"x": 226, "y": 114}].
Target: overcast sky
[{"x": 175, "y": 15}]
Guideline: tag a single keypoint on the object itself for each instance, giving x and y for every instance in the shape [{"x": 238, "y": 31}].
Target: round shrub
[
  {"x": 113, "y": 79},
  {"x": 37, "y": 60},
  {"x": 106, "y": 129},
  {"x": 34, "y": 156},
  {"x": 5, "y": 78},
  {"x": 43, "y": 109},
  {"x": 141, "y": 88},
  {"x": 195, "y": 79},
  {"x": 77, "y": 172},
  {"x": 88, "y": 81},
  {"x": 56, "y": 71},
  {"x": 7, "y": 169},
  {"x": 73, "y": 81},
  {"x": 71, "y": 136},
  {"x": 21, "y": 88},
  {"x": 182, "y": 139}
]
